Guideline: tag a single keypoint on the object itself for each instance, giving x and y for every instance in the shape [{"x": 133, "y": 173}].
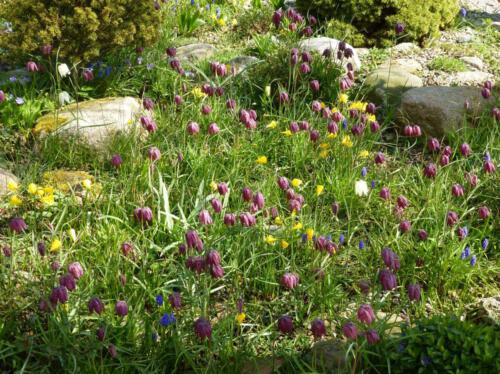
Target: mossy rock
[{"x": 96, "y": 121}]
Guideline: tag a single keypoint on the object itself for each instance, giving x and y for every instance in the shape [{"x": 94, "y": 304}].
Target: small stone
[
  {"x": 5, "y": 178},
  {"x": 393, "y": 322},
  {"x": 240, "y": 63},
  {"x": 196, "y": 51},
  {"x": 465, "y": 35},
  {"x": 474, "y": 62},
  {"x": 404, "y": 47},
  {"x": 321, "y": 43},
  {"x": 363, "y": 52},
  {"x": 486, "y": 310}
]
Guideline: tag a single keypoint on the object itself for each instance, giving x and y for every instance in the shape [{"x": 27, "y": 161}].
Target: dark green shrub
[
  {"x": 82, "y": 30},
  {"x": 447, "y": 345},
  {"x": 375, "y": 19}
]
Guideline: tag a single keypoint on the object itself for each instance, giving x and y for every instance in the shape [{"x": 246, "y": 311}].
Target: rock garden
[{"x": 198, "y": 186}]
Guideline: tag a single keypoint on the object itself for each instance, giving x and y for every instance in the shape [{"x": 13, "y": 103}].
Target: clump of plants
[
  {"x": 375, "y": 19},
  {"x": 80, "y": 32},
  {"x": 448, "y": 64},
  {"x": 446, "y": 344}
]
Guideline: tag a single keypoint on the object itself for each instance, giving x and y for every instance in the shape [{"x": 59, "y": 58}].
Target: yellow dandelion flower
[
  {"x": 278, "y": 221},
  {"x": 309, "y": 233},
  {"x": 48, "y": 190},
  {"x": 323, "y": 105},
  {"x": 261, "y": 160},
  {"x": 55, "y": 245},
  {"x": 40, "y": 192},
  {"x": 319, "y": 189},
  {"x": 346, "y": 141},
  {"x": 15, "y": 200},
  {"x": 12, "y": 186},
  {"x": 287, "y": 133},
  {"x": 213, "y": 186},
  {"x": 240, "y": 318},
  {"x": 331, "y": 136},
  {"x": 371, "y": 118},
  {"x": 335, "y": 109},
  {"x": 234, "y": 22},
  {"x": 270, "y": 239},
  {"x": 272, "y": 125},
  {"x": 284, "y": 244},
  {"x": 364, "y": 153},
  {"x": 32, "y": 188},
  {"x": 221, "y": 22},
  {"x": 298, "y": 226},
  {"x": 47, "y": 199},
  {"x": 296, "y": 182},
  {"x": 343, "y": 98},
  {"x": 324, "y": 153}
]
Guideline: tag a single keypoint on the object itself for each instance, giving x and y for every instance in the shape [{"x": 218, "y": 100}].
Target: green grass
[
  {"x": 447, "y": 64},
  {"x": 64, "y": 339}
]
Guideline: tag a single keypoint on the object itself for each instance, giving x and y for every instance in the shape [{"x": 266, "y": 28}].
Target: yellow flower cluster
[
  {"x": 198, "y": 93},
  {"x": 358, "y": 105},
  {"x": 44, "y": 194}
]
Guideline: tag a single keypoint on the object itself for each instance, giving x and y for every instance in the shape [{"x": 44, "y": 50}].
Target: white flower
[
  {"x": 361, "y": 188},
  {"x": 64, "y": 98},
  {"x": 72, "y": 235},
  {"x": 63, "y": 70}
]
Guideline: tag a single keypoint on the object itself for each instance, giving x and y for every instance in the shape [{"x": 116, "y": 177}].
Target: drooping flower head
[
  {"x": 96, "y": 305},
  {"x": 121, "y": 308},
  {"x": 350, "y": 331},
  {"x": 285, "y": 324},
  {"x": 202, "y": 328},
  {"x": 290, "y": 280},
  {"x": 318, "y": 328}
]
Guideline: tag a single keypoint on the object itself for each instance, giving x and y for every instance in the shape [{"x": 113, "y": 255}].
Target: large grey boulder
[
  {"x": 440, "y": 110},
  {"x": 390, "y": 83},
  {"x": 319, "y": 45},
  {"x": 6, "y": 177},
  {"x": 196, "y": 51},
  {"x": 96, "y": 121}
]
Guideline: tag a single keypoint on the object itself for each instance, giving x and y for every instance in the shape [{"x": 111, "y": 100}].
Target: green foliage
[
  {"x": 189, "y": 19},
  {"x": 448, "y": 64},
  {"x": 375, "y": 19},
  {"x": 79, "y": 33},
  {"x": 276, "y": 71},
  {"x": 446, "y": 344},
  {"x": 344, "y": 31}
]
